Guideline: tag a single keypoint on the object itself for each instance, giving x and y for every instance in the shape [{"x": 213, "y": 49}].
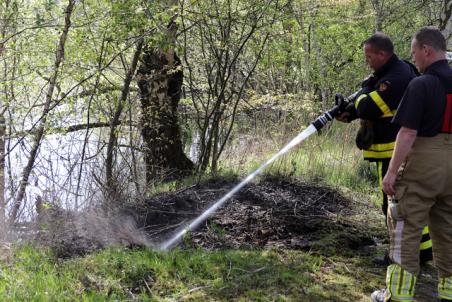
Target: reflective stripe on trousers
[
  {"x": 445, "y": 288},
  {"x": 400, "y": 283}
]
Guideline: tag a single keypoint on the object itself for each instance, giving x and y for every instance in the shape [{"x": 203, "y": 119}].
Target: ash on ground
[{"x": 275, "y": 212}]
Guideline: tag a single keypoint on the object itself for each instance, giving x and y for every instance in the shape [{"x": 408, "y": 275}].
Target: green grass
[
  {"x": 330, "y": 158},
  {"x": 194, "y": 275}
]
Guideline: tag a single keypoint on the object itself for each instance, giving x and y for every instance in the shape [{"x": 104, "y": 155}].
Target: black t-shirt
[{"x": 422, "y": 106}]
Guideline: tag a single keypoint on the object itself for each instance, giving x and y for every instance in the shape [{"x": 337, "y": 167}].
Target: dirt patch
[{"x": 276, "y": 212}]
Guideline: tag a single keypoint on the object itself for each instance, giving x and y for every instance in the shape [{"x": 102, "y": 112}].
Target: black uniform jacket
[
  {"x": 427, "y": 103},
  {"x": 378, "y": 101}
]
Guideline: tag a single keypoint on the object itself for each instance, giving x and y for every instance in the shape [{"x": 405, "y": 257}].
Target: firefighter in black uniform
[{"x": 375, "y": 105}]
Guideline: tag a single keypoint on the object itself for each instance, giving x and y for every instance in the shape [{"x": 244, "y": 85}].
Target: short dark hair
[
  {"x": 431, "y": 36},
  {"x": 380, "y": 41}
]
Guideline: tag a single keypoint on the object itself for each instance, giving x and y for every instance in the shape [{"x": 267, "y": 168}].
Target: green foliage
[
  {"x": 330, "y": 157},
  {"x": 305, "y": 52},
  {"x": 315, "y": 46}
]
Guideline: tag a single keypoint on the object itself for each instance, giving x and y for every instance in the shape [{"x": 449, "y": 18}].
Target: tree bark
[
  {"x": 2, "y": 171},
  {"x": 445, "y": 22},
  {"x": 4, "y": 29},
  {"x": 160, "y": 78},
  {"x": 379, "y": 14},
  {"x": 378, "y": 7}
]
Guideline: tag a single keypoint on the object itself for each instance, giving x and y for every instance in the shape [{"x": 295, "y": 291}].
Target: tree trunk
[
  {"x": 324, "y": 96},
  {"x": 4, "y": 29},
  {"x": 160, "y": 79},
  {"x": 445, "y": 22},
  {"x": 378, "y": 7},
  {"x": 2, "y": 171}
]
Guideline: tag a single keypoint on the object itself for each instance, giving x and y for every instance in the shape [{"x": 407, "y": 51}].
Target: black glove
[
  {"x": 345, "y": 106},
  {"x": 353, "y": 114},
  {"x": 340, "y": 101}
]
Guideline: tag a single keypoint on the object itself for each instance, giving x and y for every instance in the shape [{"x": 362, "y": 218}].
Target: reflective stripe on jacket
[{"x": 378, "y": 102}]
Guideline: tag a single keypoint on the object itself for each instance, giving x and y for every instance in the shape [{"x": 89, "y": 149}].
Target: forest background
[
  {"x": 101, "y": 99},
  {"x": 107, "y": 102}
]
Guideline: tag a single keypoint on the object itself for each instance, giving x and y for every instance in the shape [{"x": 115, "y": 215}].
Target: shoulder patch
[{"x": 383, "y": 86}]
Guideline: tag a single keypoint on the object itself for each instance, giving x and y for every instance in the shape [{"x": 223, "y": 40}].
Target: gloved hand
[
  {"x": 347, "y": 112},
  {"x": 340, "y": 101}
]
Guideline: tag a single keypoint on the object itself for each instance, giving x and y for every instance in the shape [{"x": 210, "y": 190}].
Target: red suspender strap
[{"x": 447, "y": 119}]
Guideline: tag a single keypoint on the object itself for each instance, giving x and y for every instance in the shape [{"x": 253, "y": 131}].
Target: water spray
[{"x": 315, "y": 126}]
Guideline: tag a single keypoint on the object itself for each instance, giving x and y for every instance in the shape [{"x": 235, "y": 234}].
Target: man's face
[
  {"x": 374, "y": 58},
  {"x": 418, "y": 55}
]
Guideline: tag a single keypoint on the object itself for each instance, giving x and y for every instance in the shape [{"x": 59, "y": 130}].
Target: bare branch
[{"x": 40, "y": 132}]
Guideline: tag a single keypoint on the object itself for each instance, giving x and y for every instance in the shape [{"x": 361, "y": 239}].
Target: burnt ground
[{"x": 275, "y": 212}]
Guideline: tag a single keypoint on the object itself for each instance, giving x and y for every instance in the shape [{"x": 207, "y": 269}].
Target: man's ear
[
  {"x": 382, "y": 53},
  {"x": 426, "y": 49}
]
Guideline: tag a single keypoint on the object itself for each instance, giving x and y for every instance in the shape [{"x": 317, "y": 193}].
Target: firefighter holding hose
[{"x": 375, "y": 105}]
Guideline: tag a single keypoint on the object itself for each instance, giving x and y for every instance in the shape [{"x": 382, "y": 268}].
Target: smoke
[{"x": 71, "y": 233}]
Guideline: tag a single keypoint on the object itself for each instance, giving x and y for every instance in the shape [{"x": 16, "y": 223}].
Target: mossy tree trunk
[
  {"x": 160, "y": 78},
  {"x": 445, "y": 22}
]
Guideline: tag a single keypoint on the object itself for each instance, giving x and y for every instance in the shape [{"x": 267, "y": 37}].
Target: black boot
[
  {"x": 425, "y": 256},
  {"x": 382, "y": 260}
]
